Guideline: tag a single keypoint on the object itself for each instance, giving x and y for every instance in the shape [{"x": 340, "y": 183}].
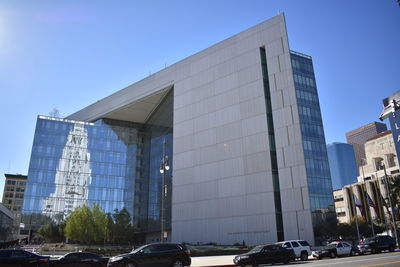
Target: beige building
[
  {"x": 13, "y": 197},
  {"x": 380, "y": 156},
  {"x": 379, "y": 150},
  {"x": 358, "y": 137}
]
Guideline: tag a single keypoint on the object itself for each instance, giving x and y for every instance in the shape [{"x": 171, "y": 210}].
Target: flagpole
[
  {"x": 366, "y": 192},
  {"x": 370, "y": 213},
  {"x": 355, "y": 216}
]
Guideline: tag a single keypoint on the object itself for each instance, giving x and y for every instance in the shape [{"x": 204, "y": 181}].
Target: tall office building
[
  {"x": 342, "y": 163},
  {"x": 13, "y": 197},
  {"x": 244, "y": 138},
  {"x": 359, "y": 136}
]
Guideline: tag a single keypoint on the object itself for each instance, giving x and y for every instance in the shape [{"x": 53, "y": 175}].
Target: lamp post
[
  {"x": 164, "y": 166},
  {"x": 390, "y": 203}
]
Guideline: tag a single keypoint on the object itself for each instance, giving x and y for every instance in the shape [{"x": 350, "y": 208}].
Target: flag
[
  {"x": 358, "y": 204},
  {"x": 370, "y": 201}
]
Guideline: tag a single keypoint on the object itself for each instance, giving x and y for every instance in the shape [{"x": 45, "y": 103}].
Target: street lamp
[
  {"x": 164, "y": 166},
  {"x": 390, "y": 203}
]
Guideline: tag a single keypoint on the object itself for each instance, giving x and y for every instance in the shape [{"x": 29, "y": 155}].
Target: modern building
[
  {"x": 243, "y": 134},
  {"x": 6, "y": 224},
  {"x": 342, "y": 163},
  {"x": 13, "y": 197},
  {"x": 359, "y": 136}
]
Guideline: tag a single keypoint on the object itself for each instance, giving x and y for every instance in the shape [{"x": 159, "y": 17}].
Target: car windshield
[
  {"x": 369, "y": 240},
  {"x": 138, "y": 249},
  {"x": 256, "y": 249},
  {"x": 331, "y": 245}
]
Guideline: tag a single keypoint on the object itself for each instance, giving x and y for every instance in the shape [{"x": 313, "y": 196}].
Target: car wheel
[
  {"x": 304, "y": 256},
  {"x": 129, "y": 264},
  {"x": 286, "y": 261},
  {"x": 332, "y": 254},
  {"x": 254, "y": 263},
  {"x": 391, "y": 249},
  {"x": 177, "y": 263},
  {"x": 374, "y": 250}
]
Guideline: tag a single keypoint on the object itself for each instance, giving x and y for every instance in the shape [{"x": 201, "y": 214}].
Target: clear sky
[{"x": 70, "y": 53}]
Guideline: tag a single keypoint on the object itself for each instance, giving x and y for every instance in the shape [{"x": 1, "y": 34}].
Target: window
[
  {"x": 166, "y": 247},
  {"x": 72, "y": 256},
  {"x": 339, "y": 245},
  {"x": 304, "y": 243},
  {"x": 19, "y": 254},
  {"x": 295, "y": 244}
]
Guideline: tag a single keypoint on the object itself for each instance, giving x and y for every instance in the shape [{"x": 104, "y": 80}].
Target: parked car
[
  {"x": 80, "y": 259},
  {"x": 20, "y": 257},
  {"x": 265, "y": 254},
  {"x": 301, "y": 248},
  {"x": 377, "y": 244},
  {"x": 334, "y": 249},
  {"x": 158, "y": 254}
]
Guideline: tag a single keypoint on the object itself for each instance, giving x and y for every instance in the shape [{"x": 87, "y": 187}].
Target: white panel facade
[{"x": 231, "y": 180}]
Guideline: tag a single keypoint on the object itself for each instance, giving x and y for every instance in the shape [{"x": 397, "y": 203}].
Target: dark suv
[
  {"x": 152, "y": 255},
  {"x": 377, "y": 244},
  {"x": 19, "y": 257}
]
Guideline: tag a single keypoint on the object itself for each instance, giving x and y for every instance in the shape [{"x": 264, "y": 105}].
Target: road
[
  {"x": 375, "y": 260},
  {"x": 383, "y": 259}
]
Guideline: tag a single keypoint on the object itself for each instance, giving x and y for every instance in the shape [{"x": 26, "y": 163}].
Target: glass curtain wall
[
  {"x": 271, "y": 139},
  {"x": 74, "y": 163},
  {"x": 157, "y": 129},
  {"x": 316, "y": 159},
  {"x": 115, "y": 164}
]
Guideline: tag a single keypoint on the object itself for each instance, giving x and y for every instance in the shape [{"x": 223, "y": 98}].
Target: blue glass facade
[
  {"x": 316, "y": 159},
  {"x": 112, "y": 163},
  {"x": 342, "y": 163}
]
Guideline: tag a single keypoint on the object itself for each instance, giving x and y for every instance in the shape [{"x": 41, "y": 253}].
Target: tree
[
  {"x": 364, "y": 227},
  {"x": 394, "y": 188},
  {"x": 123, "y": 230},
  {"x": 110, "y": 229},
  {"x": 87, "y": 225},
  {"x": 52, "y": 232},
  {"x": 99, "y": 224}
]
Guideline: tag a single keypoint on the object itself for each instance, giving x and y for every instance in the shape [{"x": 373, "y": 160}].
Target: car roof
[{"x": 297, "y": 240}]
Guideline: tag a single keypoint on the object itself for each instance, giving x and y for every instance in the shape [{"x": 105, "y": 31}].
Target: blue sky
[{"x": 68, "y": 54}]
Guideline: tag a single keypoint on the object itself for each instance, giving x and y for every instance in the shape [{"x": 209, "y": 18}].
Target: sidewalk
[{"x": 217, "y": 261}]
